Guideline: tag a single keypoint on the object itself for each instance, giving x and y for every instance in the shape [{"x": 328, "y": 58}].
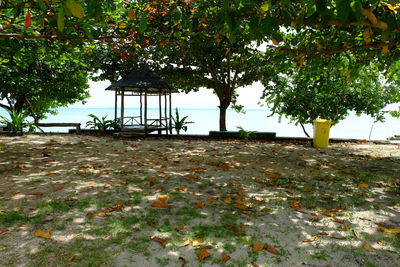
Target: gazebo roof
[{"x": 142, "y": 80}]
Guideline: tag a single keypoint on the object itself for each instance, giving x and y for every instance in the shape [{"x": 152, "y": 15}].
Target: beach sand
[{"x": 96, "y": 201}]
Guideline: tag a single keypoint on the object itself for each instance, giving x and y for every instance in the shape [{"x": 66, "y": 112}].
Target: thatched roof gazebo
[{"x": 144, "y": 83}]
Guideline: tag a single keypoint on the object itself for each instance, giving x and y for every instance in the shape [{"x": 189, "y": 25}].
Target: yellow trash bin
[{"x": 321, "y": 133}]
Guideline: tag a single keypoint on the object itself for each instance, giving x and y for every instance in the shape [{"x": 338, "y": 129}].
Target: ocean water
[{"x": 206, "y": 120}]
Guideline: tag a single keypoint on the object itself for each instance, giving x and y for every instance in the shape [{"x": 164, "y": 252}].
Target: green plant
[
  {"x": 246, "y": 135},
  {"x": 17, "y": 121},
  {"x": 101, "y": 124},
  {"x": 180, "y": 123}
]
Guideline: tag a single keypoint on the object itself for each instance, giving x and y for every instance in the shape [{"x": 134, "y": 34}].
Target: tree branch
[
  {"x": 333, "y": 51},
  {"x": 52, "y": 37}
]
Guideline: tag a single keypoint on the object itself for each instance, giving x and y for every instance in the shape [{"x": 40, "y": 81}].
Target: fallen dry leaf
[
  {"x": 202, "y": 254},
  {"x": 4, "y": 230},
  {"x": 160, "y": 204},
  {"x": 239, "y": 233},
  {"x": 199, "y": 205},
  {"x": 323, "y": 233},
  {"x": 211, "y": 199},
  {"x": 16, "y": 192},
  {"x": 345, "y": 227},
  {"x": 191, "y": 176},
  {"x": 184, "y": 244},
  {"x": 72, "y": 259},
  {"x": 380, "y": 243},
  {"x": 340, "y": 209},
  {"x": 272, "y": 250},
  {"x": 21, "y": 166},
  {"x": 315, "y": 219},
  {"x": 254, "y": 264},
  {"x": 294, "y": 203},
  {"x": 356, "y": 234},
  {"x": 102, "y": 214},
  {"x": 152, "y": 181},
  {"x": 37, "y": 194},
  {"x": 241, "y": 207},
  {"x": 162, "y": 241},
  {"x": 367, "y": 246},
  {"x": 71, "y": 199},
  {"x": 363, "y": 185},
  {"x": 257, "y": 246},
  {"x": 270, "y": 171},
  {"x": 336, "y": 220},
  {"x": 396, "y": 207},
  {"x": 182, "y": 189},
  {"x": 242, "y": 202},
  {"x": 227, "y": 200},
  {"x": 225, "y": 258},
  {"x": 180, "y": 228},
  {"x": 57, "y": 188},
  {"x": 89, "y": 214},
  {"x": 163, "y": 198},
  {"x": 311, "y": 239},
  {"x": 197, "y": 242},
  {"x": 389, "y": 230},
  {"x": 42, "y": 233}
]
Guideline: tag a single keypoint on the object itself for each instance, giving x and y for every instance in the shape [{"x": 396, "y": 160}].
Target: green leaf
[
  {"x": 60, "y": 19},
  {"x": 343, "y": 10},
  {"x": 75, "y": 8},
  {"x": 143, "y": 24}
]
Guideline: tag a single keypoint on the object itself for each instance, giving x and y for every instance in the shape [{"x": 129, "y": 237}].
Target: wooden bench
[{"x": 62, "y": 124}]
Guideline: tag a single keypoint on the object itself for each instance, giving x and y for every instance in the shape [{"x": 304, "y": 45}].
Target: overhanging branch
[{"x": 50, "y": 37}]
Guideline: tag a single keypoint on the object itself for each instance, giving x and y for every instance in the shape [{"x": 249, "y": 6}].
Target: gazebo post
[
  {"x": 159, "y": 111},
  {"x": 116, "y": 106},
  {"x": 141, "y": 108},
  {"x": 165, "y": 113},
  {"x": 145, "y": 112},
  {"x": 122, "y": 107},
  {"x": 170, "y": 111}
]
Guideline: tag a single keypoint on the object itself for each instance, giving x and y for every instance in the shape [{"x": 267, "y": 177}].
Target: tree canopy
[
  {"x": 37, "y": 76},
  {"x": 328, "y": 91},
  {"x": 200, "y": 43}
]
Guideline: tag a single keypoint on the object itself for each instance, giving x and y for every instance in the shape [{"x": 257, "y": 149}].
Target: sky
[{"x": 248, "y": 96}]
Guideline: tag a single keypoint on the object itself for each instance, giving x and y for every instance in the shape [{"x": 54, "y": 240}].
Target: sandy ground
[{"x": 95, "y": 195}]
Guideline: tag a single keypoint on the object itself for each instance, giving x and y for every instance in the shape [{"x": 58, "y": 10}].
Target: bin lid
[{"x": 322, "y": 121}]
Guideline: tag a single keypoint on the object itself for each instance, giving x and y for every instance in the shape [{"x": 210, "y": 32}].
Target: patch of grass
[
  {"x": 229, "y": 248},
  {"x": 83, "y": 252},
  {"x": 33, "y": 182},
  {"x": 135, "y": 180},
  {"x": 176, "y": 197},
  {"x": 135, "y": 198},
  {"x": 162, "y": 261},
  {"x": 140, "y": 245},
  {"x": 190, "y": 212},
  {"x": 56, "y": 205},
  {"x": 205, "y": 231},
  {"x": 229, "y": 219},
  {"x": 321, "y": 255},
  {"x": 14, "y": 217}
]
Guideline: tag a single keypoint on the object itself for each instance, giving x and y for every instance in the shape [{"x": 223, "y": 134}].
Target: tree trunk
[
  {"x": 223, "y": 106},
  {"x": 222, "y": 118},
  {"x": 304, "y": 130}
]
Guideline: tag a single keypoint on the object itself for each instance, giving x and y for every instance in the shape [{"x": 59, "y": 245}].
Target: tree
[
  {"x": 189, "y": 49},
  {"x": 210, "y": 41},
  {"x": 327, "y": 89},
  {"x": 38, "y": 76}
]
